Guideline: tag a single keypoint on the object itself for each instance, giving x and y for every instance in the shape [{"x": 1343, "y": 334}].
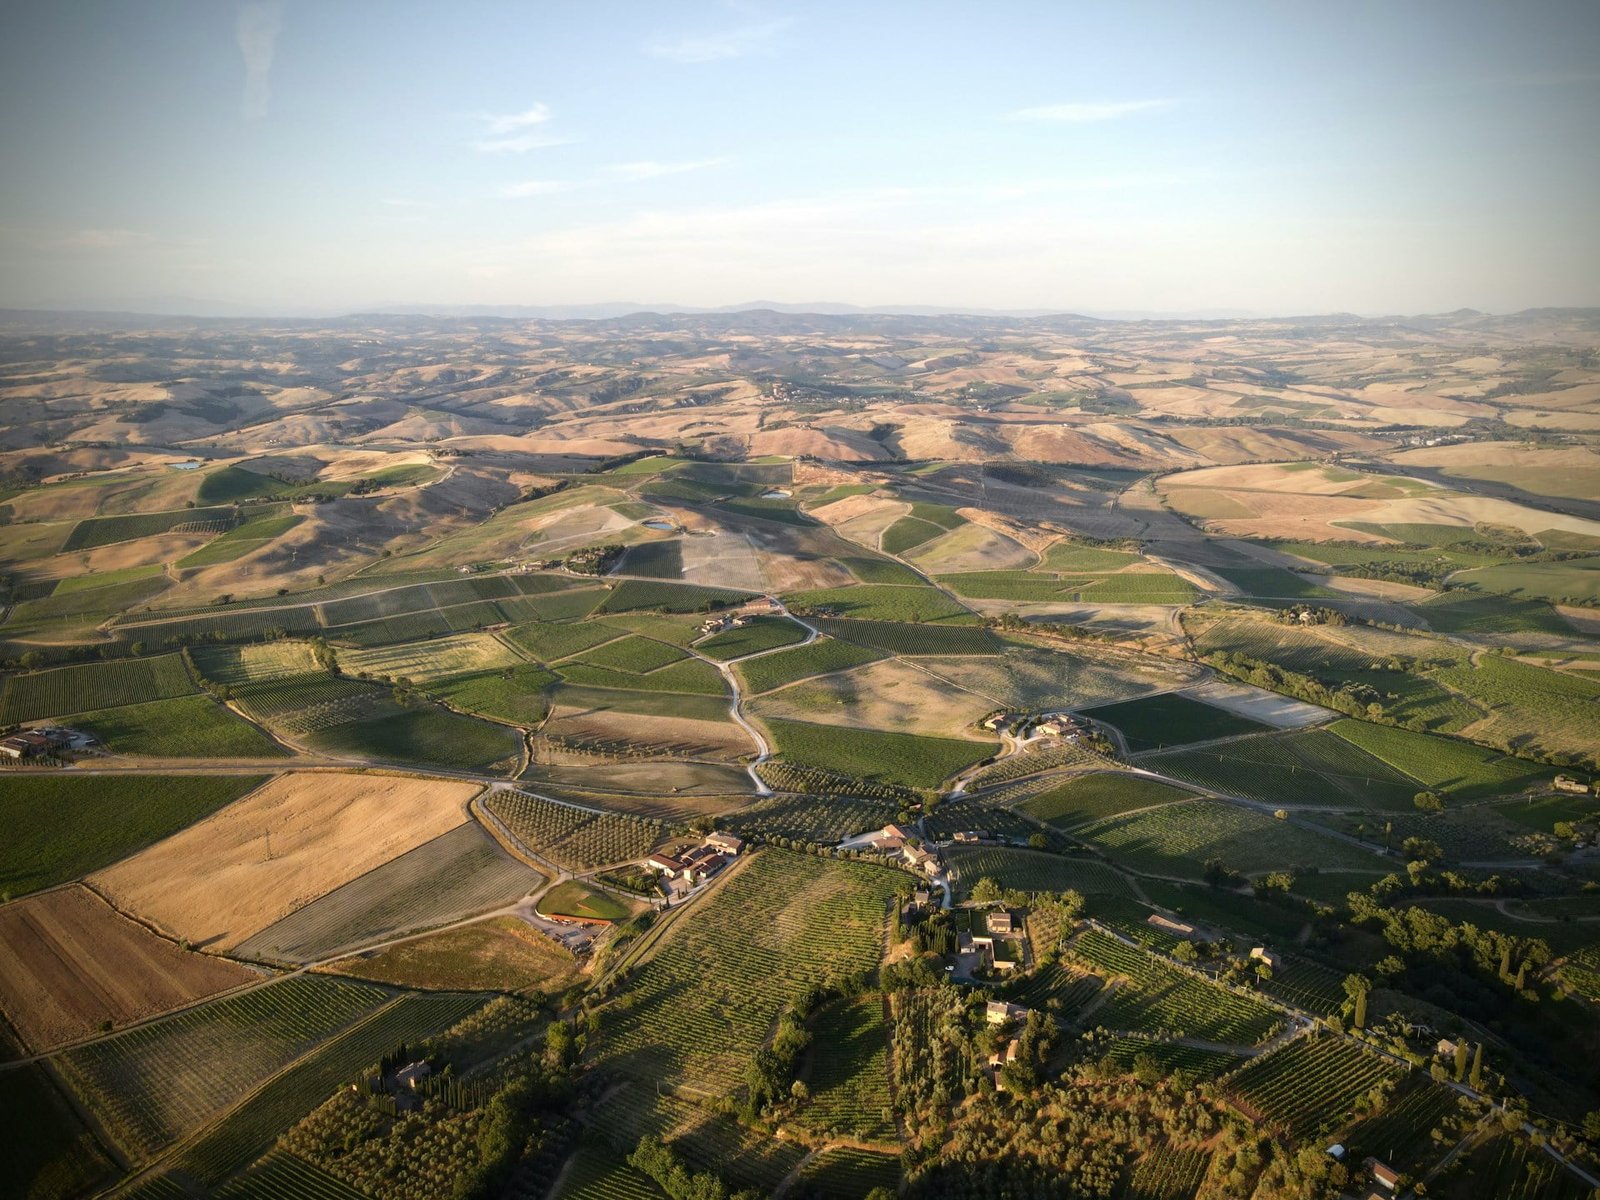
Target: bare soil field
[
  {"x": 299, "y": 837},
  {"x": 1267, "y": 707},
  {"x": 639, "y": 734},
  {"x": 69, "y": 961},
  {"x": 722, "y": 559}
]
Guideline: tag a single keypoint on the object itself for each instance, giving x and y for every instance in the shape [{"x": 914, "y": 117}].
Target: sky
[{"x": 320, "y": 156}]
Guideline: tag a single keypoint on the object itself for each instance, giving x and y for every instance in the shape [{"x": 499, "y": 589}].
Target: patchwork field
[
  {"x": 60, "y": 826},
  {"x": 454, "y": 875},
  {"x": 225, "y": 879},
  {"x": 70, "y": 963}
]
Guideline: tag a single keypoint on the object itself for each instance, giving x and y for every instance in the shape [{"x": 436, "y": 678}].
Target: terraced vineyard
[
  {"x": 1160, "y": 999},
  {"x": 1171, "y": 1057},
  {"x": 1087, "y": 798},
  {"x": 154, "y": 1083},
  {"x": 574, "y": 837},
  {"x": 849, "y": 1071},
  {"x": 103, "y": 685},
  {"x": 825, "y": 819},
  {"x": 1312, "y": 767},
  {"x": 1178, "y": 839},
  {"x": 1033, "y": 871},
  {"x": 1309, "y": 1087},
  {"x": 848, "y": 1174},
  {"x": 705, "y": 999},
  {"x": 249, "y": 1130},
  {"x": 1401, "y": 1135},
  {"x": 1168, "y": 1174}
]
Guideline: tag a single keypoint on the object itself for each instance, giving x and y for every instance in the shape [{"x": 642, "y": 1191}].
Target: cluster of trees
[{"x": 657, "y": 1160}]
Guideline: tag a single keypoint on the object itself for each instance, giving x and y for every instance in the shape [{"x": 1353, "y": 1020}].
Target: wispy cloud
[
  {"x": 257, "y": 34},
  {"x": 1085, "y": 112},
  {"x": 718, "y": 46},
  {"x": 655, "y": 170},
  {"x": 535, "y": 187},
  {"x": 517, "y": 133}
]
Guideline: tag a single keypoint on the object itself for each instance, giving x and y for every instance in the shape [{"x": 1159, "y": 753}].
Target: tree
[
  {"x": 1038, "y": 841},
  {"x": 1476, "y": 1078},
  {"x": 1461, "y": 1060},
  {"x": 1428, "y": 802},
  {"x": 31, "y": 661},
  {"x": 1356, "y": 987}
]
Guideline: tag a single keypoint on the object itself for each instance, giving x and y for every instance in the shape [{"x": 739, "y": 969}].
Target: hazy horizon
[{"x": 268, "y": 158}]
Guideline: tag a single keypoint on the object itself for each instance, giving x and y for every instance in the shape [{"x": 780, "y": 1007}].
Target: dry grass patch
[
  {"x": 501, "y": 954},
  {"x": 884, "y": 695},
  {"x": 69, "y": 961},
  {"x": 281, "y": 847}
]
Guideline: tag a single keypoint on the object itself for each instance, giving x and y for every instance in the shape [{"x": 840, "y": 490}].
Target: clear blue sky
[{"x": 1376, "y": 157}]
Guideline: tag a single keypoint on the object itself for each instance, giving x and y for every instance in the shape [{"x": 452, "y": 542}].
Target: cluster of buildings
[
  {"x": 1572, "y": 785},
  {"x": 996, "y": 940},
  {"x": 717, "y": 624},
  {"x": 1019, "y": 724},
  {"x": 681, "y": 873},
  {"x": 894, "y": 842},
  {"x": 43, "y": 742},
  {"x": 1385, "y": 1176}
]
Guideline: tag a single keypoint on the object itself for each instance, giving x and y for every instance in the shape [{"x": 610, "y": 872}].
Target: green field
[
  {"x": 574, "y": 899},
  {"x": 104, "y": 531},
  {"x": 881, "y": 602},
  {"x": 1067, "y": 556},
  {"x": 574, "y": 837},
  {"x": 894, "y": 637},
  {"x": 1033, "y": 871},
  {"x": 1086, "y": 798},
  {"x": 1445, "y": 765},
  {"x": 99, "y": 579},
  {"x": 92, "y": 685},
  {"x": 1307, "y": 767},
  {"x": 1309, "y": 1087},
  {"x": 153, "y": 1083},
  {"x": 1171, "y": 719},
  {"x": 1575, "y": 581},
  {"x": 635, "y": 595},
  {"x": 904, "y": 758},
  {"x": 821, "y": 657},
  {"x": 1178, "y": 839},
  {"x": 422, "y": 734},
  {"x": 1474, "y": 615},
  {"x": 636, "y": 655},
  {"x": 61, "y": 826},
  {"x": 46, "y": 1152},
  {"x": 547, "y": 643},
  {"x": 187, "y": 727},
  {"x": 907, "y": 533},
  {"x": 848, "y": 1070},
  {"x": 514, "y": 694},
  {"x": 1274, "y": 582},
  {"x": 705, "y": 1000},
  {"x": 240, "y": 540},
  {"x": 763, "y": 633},
  {"x": 462, "y": 654}
]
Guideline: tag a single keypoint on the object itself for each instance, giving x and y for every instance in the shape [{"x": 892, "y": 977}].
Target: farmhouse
[
  {"x": 1001, "y": 923},
  {"x": 665, "y": 863},
  {"x": 1383, "y": 1174},
  {"x": 1445, "y": 1049},
  {"x": 1567, "y": 783},
  {"x": 725, "y": 842},
  {"x": 1262, "y": 954},
  {"x": 970, "y": 836},
  {"x": 1176, "y": 928},
  {"x": 920, "y": 860},
  {"x": 411, "y": 1075},
  {"x": 998, "y": 1012}
]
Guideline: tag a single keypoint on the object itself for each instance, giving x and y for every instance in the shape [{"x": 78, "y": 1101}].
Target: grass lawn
[
  {"x": 904, "y": 758},
  {"x": 574, "y": 899},
  {"x": 61, "y": 826}
]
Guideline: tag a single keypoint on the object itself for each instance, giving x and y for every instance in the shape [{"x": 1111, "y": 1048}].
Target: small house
[
  {"x": 998, "y": 1012},
  {"x": 1383, "y": 1174},
  {"x": 1168, "y": 925},
  {"x": 1001, "y": 922},
  {"x": 411, "y": 1075},
  {"x": 727, "y": 843},
  {"x": 1568, "y": 783},
  {"x": 1445, "y": 1049},
  {"x": 664, "y": 863},
  {"x": 1262, "y": 954},
  {"x": 920, "y": 860}
]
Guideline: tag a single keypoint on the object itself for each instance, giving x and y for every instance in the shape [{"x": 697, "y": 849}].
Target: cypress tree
[
  {"x": 1361, "y": 1009},
  {"x": 1461, "y": 1060},
  {"x": 1477, "y": 1068},
  {"x": 1505, "y": 960}
]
